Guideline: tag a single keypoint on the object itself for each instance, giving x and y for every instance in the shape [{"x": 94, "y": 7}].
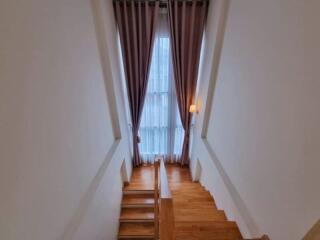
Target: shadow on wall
[
  {"x": 244, "y": 211},
  {"x": 84, "y": 204}
]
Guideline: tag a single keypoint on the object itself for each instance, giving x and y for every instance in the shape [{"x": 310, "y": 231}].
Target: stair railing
[{"x": 165, "y": 226}]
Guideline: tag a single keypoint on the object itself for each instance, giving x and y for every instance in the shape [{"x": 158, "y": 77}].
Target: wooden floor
[{"x": 195, "y": 213}]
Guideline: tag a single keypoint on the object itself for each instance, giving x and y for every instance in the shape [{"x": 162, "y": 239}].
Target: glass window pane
[{"x": 156, "y": 127}]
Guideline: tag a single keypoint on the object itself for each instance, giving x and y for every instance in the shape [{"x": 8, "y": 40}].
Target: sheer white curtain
[{"x": 161, "y": 132}]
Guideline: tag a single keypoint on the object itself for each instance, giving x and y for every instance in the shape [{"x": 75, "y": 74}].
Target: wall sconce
[{"x": 193, "y": 109}]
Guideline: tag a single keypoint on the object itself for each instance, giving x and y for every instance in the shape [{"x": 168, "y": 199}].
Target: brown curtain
[
  {"x": 136, "y": 22},
  {"x": 186, "y": 21}
]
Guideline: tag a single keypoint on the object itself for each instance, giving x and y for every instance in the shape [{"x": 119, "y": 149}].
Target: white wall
[
  {"x": 260, "y": 152},
  {"x": 61, "y": 141},
  {"x": 311, "y": 109}
]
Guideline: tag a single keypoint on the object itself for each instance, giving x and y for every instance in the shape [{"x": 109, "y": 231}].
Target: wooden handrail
[
  {"x": 166, "y": 225},
  {"x": 164, "y": 184}
]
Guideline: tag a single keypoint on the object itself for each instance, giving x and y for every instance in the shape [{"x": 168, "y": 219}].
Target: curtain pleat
[
  {"x": 136, "y": 22},
  {"x": 186, "y": 21}
]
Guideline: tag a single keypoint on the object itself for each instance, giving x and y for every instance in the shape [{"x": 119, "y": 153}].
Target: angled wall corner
[
  {"x": 100, "y": 20},
  {"x": 111, "y": 61},
  {"x": 220, "y": 14}
]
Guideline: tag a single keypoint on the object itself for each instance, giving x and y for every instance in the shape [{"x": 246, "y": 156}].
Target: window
[{"x": 160, "y": 130}]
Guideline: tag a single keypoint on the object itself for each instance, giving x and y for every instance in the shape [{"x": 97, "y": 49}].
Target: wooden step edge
[
  {"x": 129, "y": 192},
  {"x": 135, "y": 236},
  {"x": 137, "y": 205},
  {"x": 217, "y": 223},
  {"x": 136, "y": 230},
  {"x": 136, "y": 220}
]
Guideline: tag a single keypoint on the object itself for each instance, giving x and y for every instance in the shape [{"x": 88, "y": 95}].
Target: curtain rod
[{"x": 162, "y": 2}]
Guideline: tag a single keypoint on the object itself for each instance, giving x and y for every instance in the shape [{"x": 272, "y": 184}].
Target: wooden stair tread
[
  {"x": 190, "y": 191},
  {"x": 191, "y": 194},
  {"x": 137, "y": 214},
  {"x": 137, "y": 200},
  {"x": 196, "y": 216},
  {"x": 215, "y": 230},
  {"x": 224, "y": 236},
  {"x": 136, "y": 230},
  {"x": 138, "y": 187},
  {"x": 194, "y": 201},
  {"x": 214, "y": 235},
  {"x": 138, "y": 191},
  {"x": 206, "y": 225},
  {"x": 188, "y": 218}
]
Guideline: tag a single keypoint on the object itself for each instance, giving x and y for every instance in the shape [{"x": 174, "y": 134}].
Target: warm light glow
[{"x": 193, "y": 108}]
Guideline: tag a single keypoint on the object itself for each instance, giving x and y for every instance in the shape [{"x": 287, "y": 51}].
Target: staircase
[
  {"x": 137, "y": 209},
  {"x": 195, "y": 212}
]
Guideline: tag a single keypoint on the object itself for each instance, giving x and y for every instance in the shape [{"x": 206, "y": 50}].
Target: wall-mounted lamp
[{"x": 193, "y": 108}]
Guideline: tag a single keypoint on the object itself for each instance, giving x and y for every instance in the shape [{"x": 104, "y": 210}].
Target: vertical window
[{"x": 160, "y": 130}]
